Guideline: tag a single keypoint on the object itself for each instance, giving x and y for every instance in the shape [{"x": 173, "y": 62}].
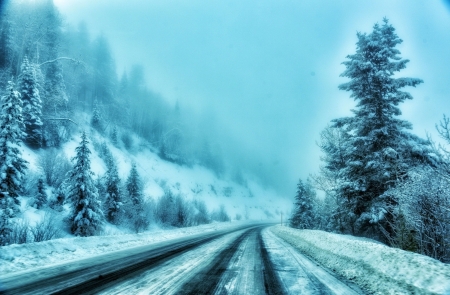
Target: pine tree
[
  {"x": 303, "y": 216},
  {"x": 134, "y": 187},
  {"x": 114, "y": 138},
  {"x": 96, "y": 120},
  {"x": 379, "y": 150},
  {"x": 86, "y": 218},
  {"x": 41, "y": 196},
  {"x": 6, "y": 52},
  {"x": 32, "y": 105},
  {"x": 139, "y": 220},
  {"x": 113, "y": 201},
  {"x": 12, "y": 166}
]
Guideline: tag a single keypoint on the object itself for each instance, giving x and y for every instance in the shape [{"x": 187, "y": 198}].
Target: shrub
[
  {"x": 220, "y": 214},
  {"x": 55, "y": 166},
  {"x": 45, "y": 229}
]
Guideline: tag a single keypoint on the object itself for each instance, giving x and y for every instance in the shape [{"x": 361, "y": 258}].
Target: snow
[
  {"x": 32, "y": 256},
  {"x": 371, "y": 265},
  {"x": 300, "y": 275}
]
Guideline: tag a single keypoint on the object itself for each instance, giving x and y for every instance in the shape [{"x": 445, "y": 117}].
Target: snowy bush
[
  {"x": 421, "y": 220},
  {"x": 165, "y": 208},
  {"x": 29, "y": 185},
  {"x": 220, "y": 214},
  {"x": 20, "y": 233},
  {"x": 45, "y": 229},
  {"x": 201, "y": 215},
  {"x": 54, "y": 165},
  {"x": 58, "y": 199}
]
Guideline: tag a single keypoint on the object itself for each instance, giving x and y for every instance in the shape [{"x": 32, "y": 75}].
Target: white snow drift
[{"x": 374, "y": 266}]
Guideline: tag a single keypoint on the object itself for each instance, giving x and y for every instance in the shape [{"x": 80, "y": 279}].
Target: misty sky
[{"x": 269, "y": 70}]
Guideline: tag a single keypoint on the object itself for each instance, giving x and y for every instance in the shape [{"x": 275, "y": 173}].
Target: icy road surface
[{"x": 251, "y": 260}]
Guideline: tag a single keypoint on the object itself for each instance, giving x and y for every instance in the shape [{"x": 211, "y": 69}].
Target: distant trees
[
  {"x": 86, "y": 218},
  {"x": 105, "y": 80}
]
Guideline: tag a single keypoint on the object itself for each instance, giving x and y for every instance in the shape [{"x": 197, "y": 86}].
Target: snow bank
[
  {"x": 15, "y": 258},
  {"x": 374, "y": 266}
]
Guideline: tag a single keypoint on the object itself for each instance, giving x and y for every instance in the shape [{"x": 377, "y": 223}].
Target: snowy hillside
[{"x": 246, "y": 202}]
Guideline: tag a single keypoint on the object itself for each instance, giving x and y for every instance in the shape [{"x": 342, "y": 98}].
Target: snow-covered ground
[
  {"x": 373, "y": 266},
  {"x": 32, "y": 256}
]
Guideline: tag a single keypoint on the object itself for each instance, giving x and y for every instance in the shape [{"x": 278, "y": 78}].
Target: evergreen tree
[
  {"x": 5, "y": 228},
  {"x": 114, "y": 138},
  {"x": 113, "y": 202},
  {"x": 41, "y": 196},
  {"x": 12, "y": 166},
  {"x": 6, "y": 52},
  {"x": 303, "y": 216},
  {"x": 379, "y": 150},
  {"x": 86, "y": 218},
  {"x": 96, "y": 120},
  {"x": 6, "y": 44},
  {"x": 134, "y": 187},
  {"x": 32, "y": 104},
  {"x": 136, "y": 207}
]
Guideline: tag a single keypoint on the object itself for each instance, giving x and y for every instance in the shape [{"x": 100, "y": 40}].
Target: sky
[{"x": 268, "y": 71}]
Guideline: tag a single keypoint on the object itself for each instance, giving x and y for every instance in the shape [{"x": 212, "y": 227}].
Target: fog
[{"x": 266, "y": 73}]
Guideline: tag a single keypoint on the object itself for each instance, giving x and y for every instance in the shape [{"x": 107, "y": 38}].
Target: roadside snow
[
  {"x": 26, "y": 257},
  {"x": 373, "y": 266}
]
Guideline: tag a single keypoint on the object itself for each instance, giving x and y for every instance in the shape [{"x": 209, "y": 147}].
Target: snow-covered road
[{"x": 250, "y": 260}]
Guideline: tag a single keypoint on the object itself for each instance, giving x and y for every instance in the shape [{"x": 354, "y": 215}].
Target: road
[{"x": 248, "y": 260}]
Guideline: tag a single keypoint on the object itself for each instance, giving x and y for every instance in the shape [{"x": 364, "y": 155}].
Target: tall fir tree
[
  {"x": 32, "y": 104},
  {"x": 134, "y": 187},
  {"x": 41, "y": 196},
  {"x": 6, "y": 52},
  {"x": 12, "y": 166},
  {"x": 379, "y": 150},
  {"x": 86, "y": 218},
  {"x": 303, "y": 216},
  {"x": 96, "y": 120},
  {"x": 114, "y": 202}
]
